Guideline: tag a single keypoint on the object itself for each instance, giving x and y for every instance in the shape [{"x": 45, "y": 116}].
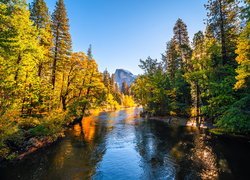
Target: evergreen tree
[
  {"x": 39, "y": 14},
  {"x": 106, "y": 80},
  {"x": 223, "y": 18},
  {"x": 125, "y": 88},
  {"x": 181, "y": 34},
  {"x": 195, "y": 76},
  {"x": 89, "y": 53},
  {"x": 62, "y": 40},
  {"x": 181, "y": 40},
  {"x": 171, "y": 59},
  {"x": 112, "y": 84}
]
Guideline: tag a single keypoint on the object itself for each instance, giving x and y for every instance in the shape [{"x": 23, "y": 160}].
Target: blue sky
[{"x": 123, "y": 31}]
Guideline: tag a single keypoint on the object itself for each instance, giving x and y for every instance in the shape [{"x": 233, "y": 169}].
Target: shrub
[
  {"x": 237, "y": 117},
  {"x": 28, "y": 123}
]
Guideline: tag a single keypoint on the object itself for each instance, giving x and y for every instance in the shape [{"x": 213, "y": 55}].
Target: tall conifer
[{"x": 62, "y": 40}]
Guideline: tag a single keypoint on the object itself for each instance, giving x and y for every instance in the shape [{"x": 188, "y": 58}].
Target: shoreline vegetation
[
  {"x": 36, "y": 133},
  {"x": 176, "y": 121}
]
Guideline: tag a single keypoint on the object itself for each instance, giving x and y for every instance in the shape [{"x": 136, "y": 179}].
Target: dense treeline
[
  {"x": 207, "y": 79},
  {"x": 43, "y": 83}
]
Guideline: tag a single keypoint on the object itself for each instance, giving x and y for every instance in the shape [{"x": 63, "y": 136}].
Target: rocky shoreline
[
  {"x": 35, "y": 144},
  {"x": 187, "y": 122},
  {"x": 30, "y": 146}
]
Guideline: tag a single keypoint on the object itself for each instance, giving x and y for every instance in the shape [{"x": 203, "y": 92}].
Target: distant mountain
[{"x": 122, "y": 75}]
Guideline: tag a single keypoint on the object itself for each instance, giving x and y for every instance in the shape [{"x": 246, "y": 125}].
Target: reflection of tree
[
  {"x": 78, "y": 157},
  {"x": 153, "y": 149},
  {"x": 204, "y": 158},
  {"x": 162, "y": 148},
  {"x": 89, "y": 127}
]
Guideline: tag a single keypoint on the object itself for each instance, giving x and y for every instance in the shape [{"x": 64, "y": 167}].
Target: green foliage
[
  {"x": 200, "y": 81},
  {"x": 15, "y": 141},
  {"x": 28, "y": 123},
  {"x": 237, "y": 117},
  {"x": 153, "y": 88},
  {"x": 222, "y": 18},
  {"x": 182, "y": 98},
  {"x": 40, "y": 130},
  {"x": 221, "y": 94}
]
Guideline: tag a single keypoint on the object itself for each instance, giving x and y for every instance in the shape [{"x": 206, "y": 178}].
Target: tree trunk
[
  {"x": 53, "y": 79},
  {"x": 197, "y": 105},
  {"x": 223, "y": 38},
  {"x": 63, "y": 98},
  {"x": 17, "y": 71}
]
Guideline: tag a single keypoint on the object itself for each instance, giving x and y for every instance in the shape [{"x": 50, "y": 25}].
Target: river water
[{"x": 122, "y": 146}]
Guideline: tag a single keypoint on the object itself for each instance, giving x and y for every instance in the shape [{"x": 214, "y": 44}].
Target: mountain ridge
[{"x": 123, "y": 75}]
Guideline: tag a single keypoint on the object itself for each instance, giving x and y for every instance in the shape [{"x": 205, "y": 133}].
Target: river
[{"x": 122, "y": 146}]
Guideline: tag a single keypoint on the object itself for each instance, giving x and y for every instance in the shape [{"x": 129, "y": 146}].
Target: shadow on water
[{"x": 121, "y": 145}]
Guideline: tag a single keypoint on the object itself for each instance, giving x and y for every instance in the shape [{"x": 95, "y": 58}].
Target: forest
[
  {"x": 44, "y": 85},
  {"x": 206, "y": 79}
]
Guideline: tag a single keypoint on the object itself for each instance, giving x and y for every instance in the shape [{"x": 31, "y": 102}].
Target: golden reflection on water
[
  {"x": 89, "y": 128},
  {"x": 62, "y": 155},
  {"x": 77, "y": 130},
  {"x": 203, "y": 154}
]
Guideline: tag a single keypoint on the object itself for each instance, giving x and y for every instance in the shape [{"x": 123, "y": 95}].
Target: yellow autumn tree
[{"x": 243, "y": 59}]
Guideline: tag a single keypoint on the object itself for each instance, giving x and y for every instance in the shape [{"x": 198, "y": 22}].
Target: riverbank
[
  {"x": 26, "y": 135},
  {"x": 181, "y": 121},
  {"x": 126, "y": 145},
  {"x": 187, "y": 122}
]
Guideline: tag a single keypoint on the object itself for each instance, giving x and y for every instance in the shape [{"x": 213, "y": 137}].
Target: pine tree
[
  {"x": 195, "y": 77},
  {"x": 89, "y": 53},
  {"x": 39, "y": 14},
  {"x": 181, "y": 34},
  {"x": 106, "y": 80},
  {"x": 223, "y": 20},
  {"x": 181, "y": 40},
  {"x": 125, "y": 88},
  {"x": 112, "y": 84},
  {"x": 171, "y": 59},
  {"x": 62, "y": 40}
]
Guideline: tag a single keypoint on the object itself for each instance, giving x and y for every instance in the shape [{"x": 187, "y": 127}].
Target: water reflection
[{"x": 121, "y": 145}]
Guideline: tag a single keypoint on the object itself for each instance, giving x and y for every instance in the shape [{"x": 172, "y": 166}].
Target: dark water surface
[{"x": 122, "y": 146}]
